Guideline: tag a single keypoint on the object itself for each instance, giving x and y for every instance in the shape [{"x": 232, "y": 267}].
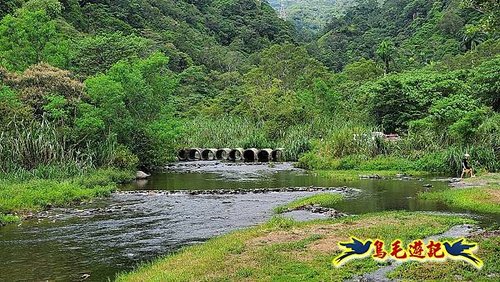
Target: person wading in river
[{"x": 466, "y": 167}]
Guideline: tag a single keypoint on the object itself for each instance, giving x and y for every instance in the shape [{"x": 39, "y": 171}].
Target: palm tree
[
  {"x": 473, "y": 36},
  {"x": 386, "y": 52}
]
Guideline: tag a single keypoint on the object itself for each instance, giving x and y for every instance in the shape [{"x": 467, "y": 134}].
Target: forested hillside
[
  {"x": 125, "y": 83},
  {"x": 417, "y": 33},
  {"x": 310, "y": 16},
  {"x": 98, "y": 69}
]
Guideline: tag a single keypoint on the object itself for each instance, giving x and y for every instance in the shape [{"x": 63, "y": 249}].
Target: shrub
[
  {"x": 388, "y": 163},
  {"x": 351, "y": 162},
  {"x": 313, "y": 160},
  {"x": 124, "y": 158},
  {"x": 433, "y": 162}
]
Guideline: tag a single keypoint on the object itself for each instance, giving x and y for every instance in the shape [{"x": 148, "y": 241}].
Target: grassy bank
[
  {"x": 480, "y": 194},
  {"x": 283, "y": 249},
  {"x": 21, "y": 196},
  {"x": 484, "y": 199},
  {"x": 457, "y": 271},
  {"x": 327, "y": 200},
  {"x": 356, "y": 148}
]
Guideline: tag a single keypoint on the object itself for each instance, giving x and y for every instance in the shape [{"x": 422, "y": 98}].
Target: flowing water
[{"x": 145, "y": 220}]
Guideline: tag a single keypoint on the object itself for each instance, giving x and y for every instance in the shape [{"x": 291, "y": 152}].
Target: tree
[
  {"x": 485, "y": 81},
  {"x": 47, "y": 89},
  {"x": 8, "y": 6},
  {"x": 98, "y": 53},
  {"x": 362, "y": 70},
  {"x": 11, "y": 107},
  {"x": 133, "y": 101},
  {"x": 53, "y": 8},
  {"x": 288, "y": 63},
  {"x": 385, "y": 52},
  {"x": 391, "y": 107},
  {"x": 472, "y": 37},
  {"x": 28, "y": 38},
  {"x": 491, "y": 13}
]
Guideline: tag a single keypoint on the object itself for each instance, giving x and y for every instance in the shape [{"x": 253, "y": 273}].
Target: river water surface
[{"x": 142, "y": 222}]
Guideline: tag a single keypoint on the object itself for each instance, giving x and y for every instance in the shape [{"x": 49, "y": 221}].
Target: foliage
[
  {"x": 47, "y": 90},
  {"x": 11, "y": 107},
  {"x": 127, "y": 83},
  {"x": 31, "y": 36},
  {"x": 385, "y": 52},
  {"x": 37, "y": 145},
  {"x": 132, "y": 100},
  {"x": 485, "y": 83},
  {"x": 97, "y": 53},
  {"x": 8, "y": 6},
  {"x": 415, "y": 30},
  {"x": 310, "y": 17}
]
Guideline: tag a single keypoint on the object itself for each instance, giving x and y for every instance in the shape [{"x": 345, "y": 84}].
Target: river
[{"x": 153, "y": 218}]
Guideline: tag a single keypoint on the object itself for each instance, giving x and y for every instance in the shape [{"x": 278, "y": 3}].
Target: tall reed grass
[
  {"x": 231, "y": 131},
  {"x": 226, "y": 131},
  {"x": 327, "y": 143},
  {"x": 38, "y": 148}
]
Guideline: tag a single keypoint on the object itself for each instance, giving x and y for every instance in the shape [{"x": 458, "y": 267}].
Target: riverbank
[
  {"x": 283, "y": 249},
  {"x": 350, "y": 175},
  {"x": 287, "y": 250},
  {"x": 22, "y": 198},
  {"x": 481, "y": 194},
  {"x": 457, "y": 271}
]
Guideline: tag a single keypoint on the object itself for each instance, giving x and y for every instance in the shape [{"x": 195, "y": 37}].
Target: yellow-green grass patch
[{"x": 283, "y": 249}]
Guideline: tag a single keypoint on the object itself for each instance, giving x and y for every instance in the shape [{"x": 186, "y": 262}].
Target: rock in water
[{"x": 141, "y": 175}]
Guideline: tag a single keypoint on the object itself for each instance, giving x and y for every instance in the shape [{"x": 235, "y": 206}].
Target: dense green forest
[
  {"x": 124, "y": 83},
  {"x": 310, "y": 16}
]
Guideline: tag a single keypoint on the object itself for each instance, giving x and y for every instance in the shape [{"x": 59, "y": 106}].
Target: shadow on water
[{"x": 113, "y": 235}]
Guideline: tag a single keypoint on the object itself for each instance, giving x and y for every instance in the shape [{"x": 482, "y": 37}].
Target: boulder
[{"x": 141, "y": 175}]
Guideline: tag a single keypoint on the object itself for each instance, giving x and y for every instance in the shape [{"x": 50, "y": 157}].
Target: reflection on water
[
  {"x": 130, "y": 228},
  {"x": 378, "y": 195},
  {"x": 139, "y": 228}
]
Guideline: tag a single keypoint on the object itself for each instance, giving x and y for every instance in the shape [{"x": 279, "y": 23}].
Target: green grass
[
  {"x": 21, "y": 196},
  {"x": 8, "y": 218},
  {"x": 489, "y": 252},
  {"x": 285, "y": 250},
  {"x": 481, "y": 199},
  {"x": 482, "y": 194},
  {"x": 327, "y": 200},
  {"x": 438, "y": 161}
]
